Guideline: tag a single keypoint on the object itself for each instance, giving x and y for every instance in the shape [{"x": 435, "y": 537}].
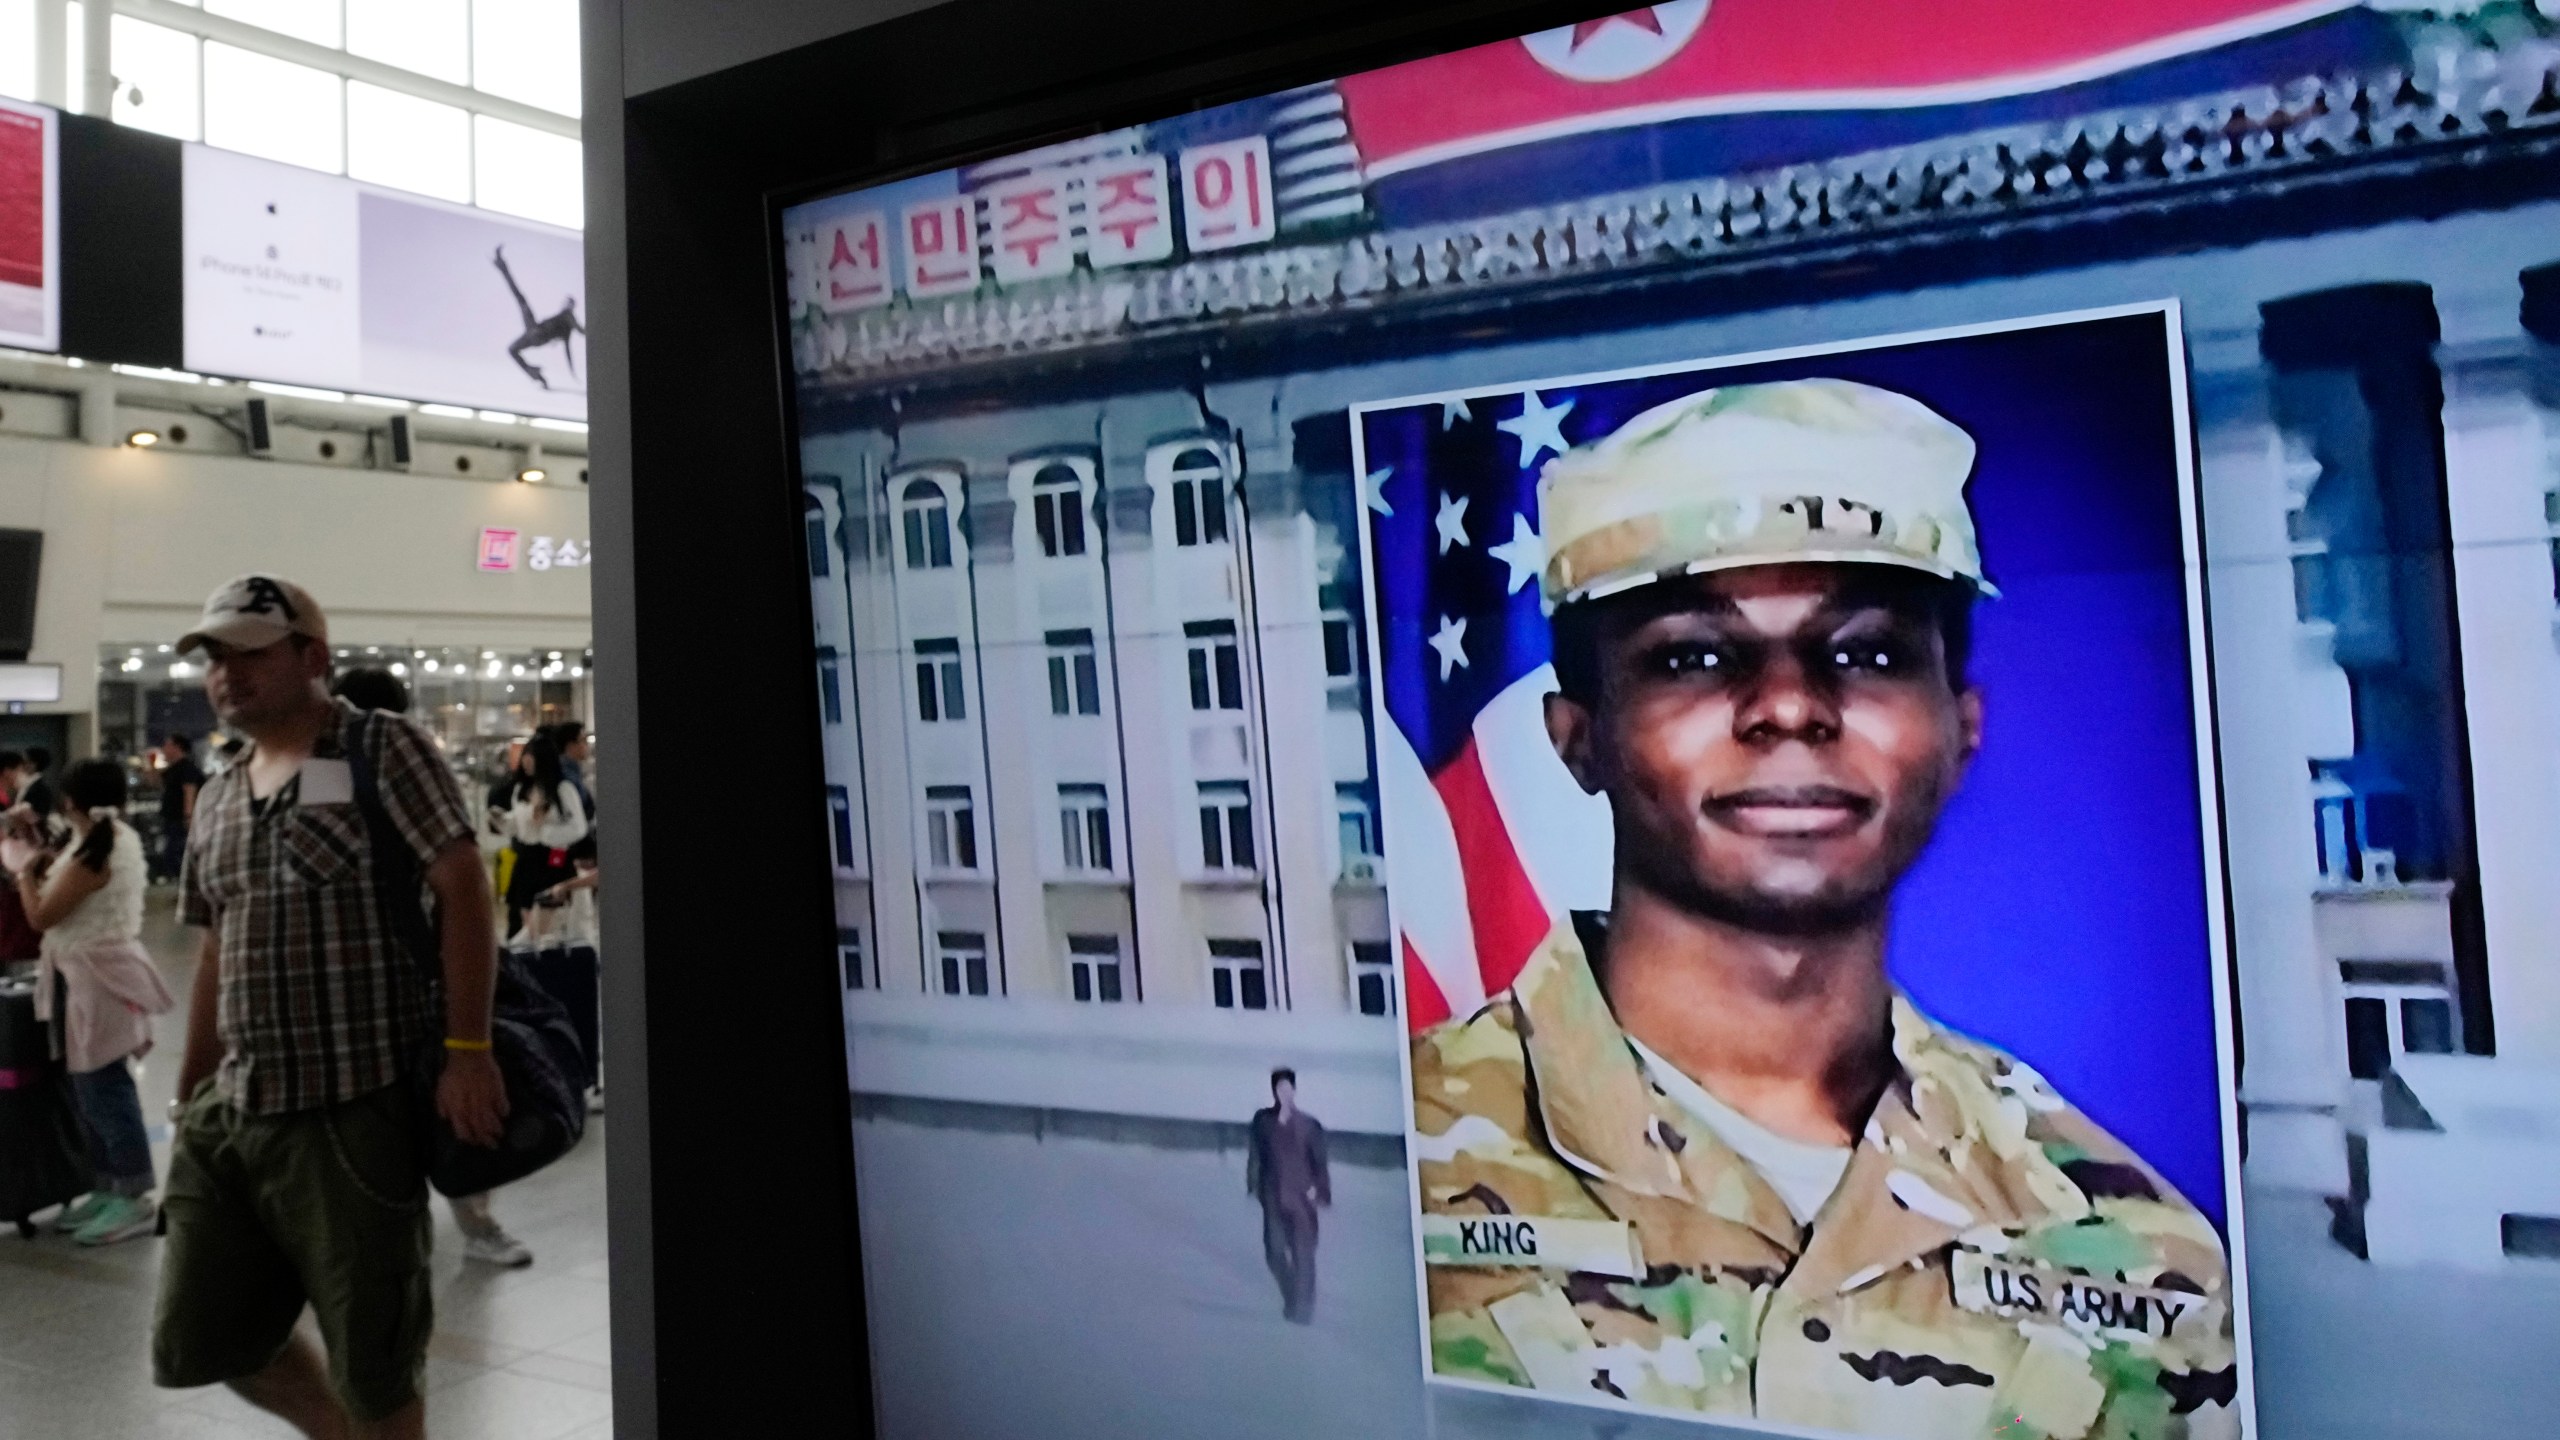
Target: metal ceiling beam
[{"x": 191, "y": 21}]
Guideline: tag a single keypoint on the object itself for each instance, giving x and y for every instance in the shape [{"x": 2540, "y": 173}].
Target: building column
[
  {"x": 2357, "y": 384},
  {"x": 97, "y": 58},
  {"x": 53, "y": 59},
  {"x": 2500, "y": 475},
  {"x": 2292, "y": 1073}
]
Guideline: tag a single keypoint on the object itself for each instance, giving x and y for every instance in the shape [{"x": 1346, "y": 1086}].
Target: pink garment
[{"x": 113, "y": 990}]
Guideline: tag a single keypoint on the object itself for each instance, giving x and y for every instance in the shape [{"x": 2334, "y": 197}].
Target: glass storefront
[{"x": 475, "y": 700}]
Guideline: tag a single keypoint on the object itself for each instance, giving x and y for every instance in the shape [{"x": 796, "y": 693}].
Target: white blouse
[
  {"x": 114, "y": 911},
  {"x": 556, "y": 829}
]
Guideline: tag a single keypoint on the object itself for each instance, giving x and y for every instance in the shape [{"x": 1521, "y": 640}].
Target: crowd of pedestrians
[{"x": 331, "y": 1055}]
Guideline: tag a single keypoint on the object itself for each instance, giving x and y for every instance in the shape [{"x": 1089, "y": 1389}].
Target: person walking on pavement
[
  {"x": 1285, "y": 1171},
  {"x": 297, "y": 1172},
  {"x": 181, "y": 778},
  {"x": 87, "y": 899}
]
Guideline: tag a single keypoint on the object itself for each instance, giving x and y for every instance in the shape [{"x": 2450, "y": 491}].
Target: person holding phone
[{"x": 86, "y": 898}]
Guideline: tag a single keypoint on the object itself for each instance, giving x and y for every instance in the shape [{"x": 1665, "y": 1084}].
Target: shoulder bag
[{"x": 530, "y": 1035}]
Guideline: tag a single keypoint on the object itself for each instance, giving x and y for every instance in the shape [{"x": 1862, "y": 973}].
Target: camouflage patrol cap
[{"x": 1821, "y": 470}]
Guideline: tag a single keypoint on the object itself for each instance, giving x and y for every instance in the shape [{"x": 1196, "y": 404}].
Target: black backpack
[{"x": 530, "y": 1034}]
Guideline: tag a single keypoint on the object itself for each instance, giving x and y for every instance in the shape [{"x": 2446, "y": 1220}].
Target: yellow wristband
[{"x": 467, "y": 1045}]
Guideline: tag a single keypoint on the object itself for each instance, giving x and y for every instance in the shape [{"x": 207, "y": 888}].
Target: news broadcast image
[{"x": 1398, "y": 656}]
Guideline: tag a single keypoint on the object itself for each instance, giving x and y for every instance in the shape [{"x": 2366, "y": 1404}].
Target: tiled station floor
[{"x": 517, "y": 1353}]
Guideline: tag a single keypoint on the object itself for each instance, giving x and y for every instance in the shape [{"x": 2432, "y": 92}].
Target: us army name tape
[
  {"x": 1997, "y": 1287},
  {"x": 1601, "y": 1247}
]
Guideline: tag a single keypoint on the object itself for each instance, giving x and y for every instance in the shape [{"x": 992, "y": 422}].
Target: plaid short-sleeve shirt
[{"x": 320, "y": 999}]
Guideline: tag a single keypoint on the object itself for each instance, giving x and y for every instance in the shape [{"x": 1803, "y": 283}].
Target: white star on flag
[
  {"x": 1453, "y": 411},
  {"x": 1373, "y": 490},
  {"x": 1451, "y": 521},
  {"x": 1539, "y": 427},
  {"x": 1525, "y": 552},
  {"x": 1450, "y": 640}
]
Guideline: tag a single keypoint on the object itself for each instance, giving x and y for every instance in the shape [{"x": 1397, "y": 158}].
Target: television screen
[
  {"x": 21, "y": 564},
  {"x": 1751, "y": 714}
]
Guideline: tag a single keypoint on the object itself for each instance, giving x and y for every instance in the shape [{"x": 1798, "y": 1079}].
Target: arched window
[
  {"x": 1057, "y": 509},
  {"x": 925, "y": 512},
  {"x": 1199, "y": 480}
]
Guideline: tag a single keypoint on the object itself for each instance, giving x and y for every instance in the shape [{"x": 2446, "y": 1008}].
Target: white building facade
[{"x": 1098, "y": 738}]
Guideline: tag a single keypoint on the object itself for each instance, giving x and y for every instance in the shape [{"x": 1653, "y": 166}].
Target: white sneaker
[{"x": 494, "y": 1246}]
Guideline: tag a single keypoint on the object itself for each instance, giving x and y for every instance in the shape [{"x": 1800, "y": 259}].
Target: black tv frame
[{"x": 736, "y": 1271}]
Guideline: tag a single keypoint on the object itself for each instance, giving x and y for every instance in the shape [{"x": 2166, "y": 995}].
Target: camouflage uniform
[{"x": 1992, "y": 1264}]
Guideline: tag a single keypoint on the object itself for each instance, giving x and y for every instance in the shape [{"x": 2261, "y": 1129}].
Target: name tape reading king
[{"x": 1601, "y": 1247}]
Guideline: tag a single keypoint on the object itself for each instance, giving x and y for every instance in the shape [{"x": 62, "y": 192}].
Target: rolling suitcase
[
  {"x": 43, "y": 1161},
  {"x": 560, "y": 952},
  {"x": 567, "y": 972}
]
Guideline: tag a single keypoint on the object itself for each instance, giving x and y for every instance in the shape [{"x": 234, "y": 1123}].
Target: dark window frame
[
  {"x": 1058, "y": 510},
  {"x": 924, "y": 518}
]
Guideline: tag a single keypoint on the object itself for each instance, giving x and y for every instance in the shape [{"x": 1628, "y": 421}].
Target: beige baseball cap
[
  {"x": 1823, "y": 470},
  {"x": 253, "y": 612}
]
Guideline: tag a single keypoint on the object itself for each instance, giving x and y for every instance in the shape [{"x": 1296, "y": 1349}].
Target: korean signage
[
  {"x": 942, "y": 249},
  {"x": 1040, "y": 225},
  {"x": 505, "y": 551},
  {"x": 30, "y": 228},
  {"x": 1226, "y": 194}
]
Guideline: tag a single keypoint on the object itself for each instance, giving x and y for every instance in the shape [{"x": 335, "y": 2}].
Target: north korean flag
[{"x": 1687, "y": 60}]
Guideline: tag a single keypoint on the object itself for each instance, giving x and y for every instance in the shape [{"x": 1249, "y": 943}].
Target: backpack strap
[{"x": 396, "y": 876}]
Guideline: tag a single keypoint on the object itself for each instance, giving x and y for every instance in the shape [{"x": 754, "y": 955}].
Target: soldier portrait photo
[{"x": 1720, "y": 1138}]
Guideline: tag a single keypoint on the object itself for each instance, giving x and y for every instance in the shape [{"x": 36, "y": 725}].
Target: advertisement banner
[
  {"x": 470, "y": 308},
  {"x": 464, "y": 307},
  {"x": 30, "y": 228},
  {"x": 271, "y": 288}
]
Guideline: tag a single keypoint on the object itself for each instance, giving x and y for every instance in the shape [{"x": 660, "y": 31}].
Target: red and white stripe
[{"x": 1488, "y": 854}]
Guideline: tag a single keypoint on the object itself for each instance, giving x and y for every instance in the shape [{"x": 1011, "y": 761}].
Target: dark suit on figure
[{"x": 1285, "y": 1171}]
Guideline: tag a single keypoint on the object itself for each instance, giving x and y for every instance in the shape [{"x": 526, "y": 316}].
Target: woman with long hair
[
  {"x": 87, "y": 899},
  {"x": 548, "y": 819}
]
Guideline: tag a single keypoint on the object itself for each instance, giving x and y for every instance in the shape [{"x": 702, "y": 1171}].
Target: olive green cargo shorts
[{"x": 269, "y": 1212}]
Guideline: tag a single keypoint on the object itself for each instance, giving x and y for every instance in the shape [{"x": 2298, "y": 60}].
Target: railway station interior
[{"x": 953, "y": 719}]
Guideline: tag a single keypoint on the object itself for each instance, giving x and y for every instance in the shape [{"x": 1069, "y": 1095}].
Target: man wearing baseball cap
[
  {"x": 1702, "y": 1155},
  {"x": 297, "y": 1174}
]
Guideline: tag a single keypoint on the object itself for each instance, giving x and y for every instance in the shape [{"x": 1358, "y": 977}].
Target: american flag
[{"x": 1490, "y": 841}]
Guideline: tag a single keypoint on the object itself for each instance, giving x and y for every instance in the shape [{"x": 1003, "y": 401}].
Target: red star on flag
[{"x": 1643, "y": 19}]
